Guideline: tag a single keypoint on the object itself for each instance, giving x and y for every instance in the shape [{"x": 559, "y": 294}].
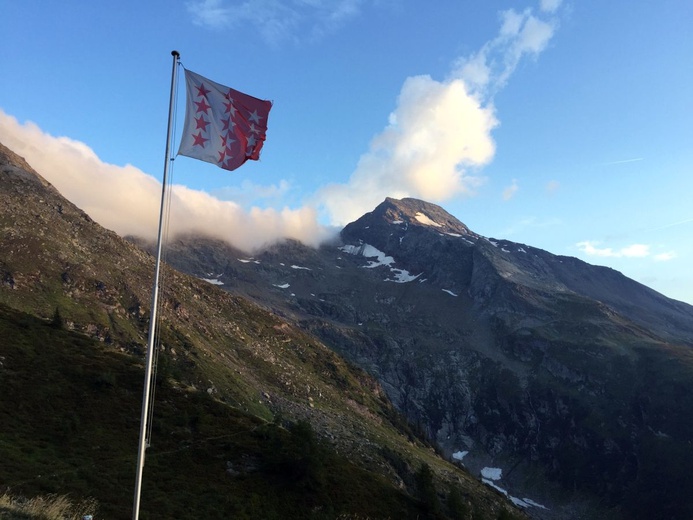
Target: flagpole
[{"x": 155, "y": 297}]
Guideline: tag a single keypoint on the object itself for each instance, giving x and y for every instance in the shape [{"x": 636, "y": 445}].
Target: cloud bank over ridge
[{"x": 127, "y": 200}]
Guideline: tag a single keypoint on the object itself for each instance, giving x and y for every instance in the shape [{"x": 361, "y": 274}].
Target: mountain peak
[{"x": 408, "y": 212}]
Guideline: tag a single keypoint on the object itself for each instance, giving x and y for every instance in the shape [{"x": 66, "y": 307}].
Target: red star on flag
[
  {"x": 202, "y": 91},
  {"x": 201, "y": 123},
  {"x": 200, "y": 140},
  {"x": 202, "y": 106}
]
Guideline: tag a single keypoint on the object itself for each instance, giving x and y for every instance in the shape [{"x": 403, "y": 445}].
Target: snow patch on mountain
[
  {"x": 368, "y": 251},
  {"x": 402, "y": 276},
  {"x": 213, "y": 281},
  {"x": 492, "y": 473},
  {"x": 489, "y": 476},
  {"x": 459, "y": 455},
  {"x": 425, "y": 220}
]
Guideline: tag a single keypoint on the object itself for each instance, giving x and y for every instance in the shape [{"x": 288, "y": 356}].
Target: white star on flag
[{"x": 222, "y": 126}]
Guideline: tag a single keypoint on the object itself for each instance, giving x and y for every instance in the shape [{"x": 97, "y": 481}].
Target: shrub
[{"x": 48, "y": 507}]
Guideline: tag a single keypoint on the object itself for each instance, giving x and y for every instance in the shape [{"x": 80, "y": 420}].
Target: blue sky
[{"x": 564, "y": 125}]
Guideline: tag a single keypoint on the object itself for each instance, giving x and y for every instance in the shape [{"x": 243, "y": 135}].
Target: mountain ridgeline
[
  {"x": 253, "y": 417},
  {"x": 384, "y": 375},
  {"x": 571, "y": 378}
]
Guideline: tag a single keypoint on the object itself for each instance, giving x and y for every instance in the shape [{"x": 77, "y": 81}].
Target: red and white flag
[{"x": 222, "y": 125}]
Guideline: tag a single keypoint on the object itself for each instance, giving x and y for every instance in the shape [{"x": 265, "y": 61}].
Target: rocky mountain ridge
[
  {"x": 570, "y": 377},
  {"x": 222, "y": 359},
  {"x": 544, "y": 376}
]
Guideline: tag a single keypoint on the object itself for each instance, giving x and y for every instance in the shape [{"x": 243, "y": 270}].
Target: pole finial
[{"x": 175, "y": 53}]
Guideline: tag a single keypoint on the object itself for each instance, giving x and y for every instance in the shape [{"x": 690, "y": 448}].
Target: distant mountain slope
[
  {"x": 395, "y": 227},
  {"x": 571, "y": 378},
  {"x": 247, "y": 404}
]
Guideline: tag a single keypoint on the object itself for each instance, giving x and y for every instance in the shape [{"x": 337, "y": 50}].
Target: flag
[{"x": 222, "y": 125}]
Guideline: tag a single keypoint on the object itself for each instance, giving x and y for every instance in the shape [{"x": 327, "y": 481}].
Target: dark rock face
[{"x": 570, "y": 377}]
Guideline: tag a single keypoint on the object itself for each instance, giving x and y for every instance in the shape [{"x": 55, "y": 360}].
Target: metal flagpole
[{"x": 155, "y": 297}]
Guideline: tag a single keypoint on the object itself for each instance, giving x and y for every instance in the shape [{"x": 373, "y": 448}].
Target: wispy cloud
[
  {"x": 521, "y": 34},
  {"x": 525, "y": 223},
  {"x": 549, "y": 6},
  {"x": 622, "y": 161},
  {"x": 632, "y": 251},
  {"x": 552, "y": 187},
  {"x": 276, "y": 20},
  {"x": 210, "y": 13},
  {"x": 673, "y": 224},
  {"x": 510, "y": 191}
]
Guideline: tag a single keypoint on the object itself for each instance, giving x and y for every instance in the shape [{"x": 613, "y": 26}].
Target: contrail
[
  {"x": 621, "y": 162},
  {"x": 673, "y": 224}
]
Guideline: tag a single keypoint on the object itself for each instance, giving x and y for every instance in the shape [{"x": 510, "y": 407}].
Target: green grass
[{"x": 70, "y": 414}]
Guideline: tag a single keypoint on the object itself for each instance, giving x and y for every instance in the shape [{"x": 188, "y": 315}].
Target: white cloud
[
  {"x": 249, "y": 193},
  {"x": 436, "y": 135},
  {"x": 634, "y": 250},
  {"x": 510, "y": 191},
  {"x": 211, "y": 13},
  {"x": 439, "y": 134},
  {"x": 520, "y": 34},
  {"x": 549, "y": 6},
  {"x": 127, "y": 200},
  {"x": 552, "y": 187},
  {"x": 276, "y": 20}
]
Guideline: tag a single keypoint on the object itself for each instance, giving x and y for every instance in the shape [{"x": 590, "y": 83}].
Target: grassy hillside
[{"x": 70, "y": 416}]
